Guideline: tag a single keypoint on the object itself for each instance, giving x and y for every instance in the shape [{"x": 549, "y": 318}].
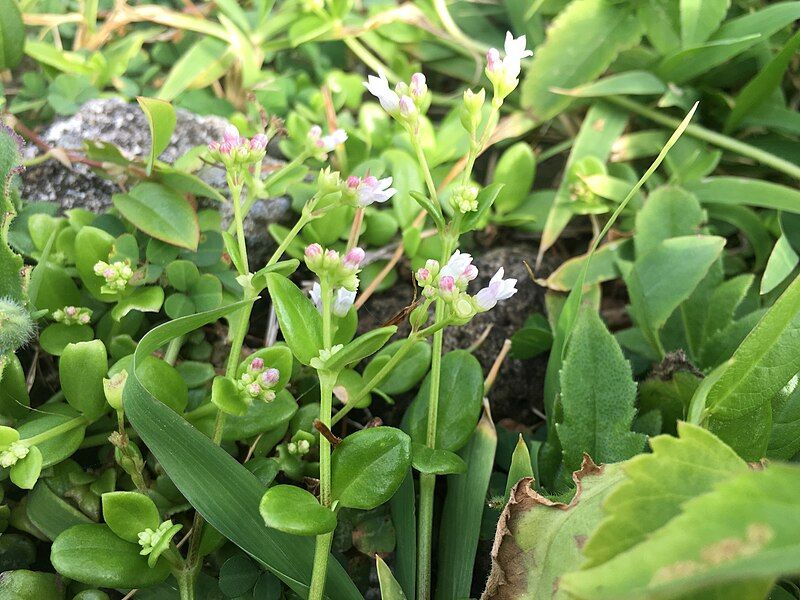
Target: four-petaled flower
[
  {"x": 498, "y": 289},
  {"x": 370, "y": 189},
  {"x": 326, "y": 143}
]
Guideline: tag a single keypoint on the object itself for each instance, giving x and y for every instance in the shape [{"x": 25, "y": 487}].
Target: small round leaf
[
  {"x": 294, "y": 510},
  {"x": 129, "y": 513}
]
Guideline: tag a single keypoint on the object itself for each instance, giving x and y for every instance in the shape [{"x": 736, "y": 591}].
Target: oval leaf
[{"x": 291, "y": 509}]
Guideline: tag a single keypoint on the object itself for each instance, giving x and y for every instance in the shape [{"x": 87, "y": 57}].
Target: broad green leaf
[
  {"x": 360, "y": 348},
  {"x": 218, "y": 486},
  {"x": 201, "y": 65},
  {"x": 260, "y": 417},
  {"x": 666, "y": 276},
  {"x": 51, "y": 514},
  {"x": 561, "y": 62},
  {"x": 700, "y": 18},
  {"x": 598, "y": 395},
  {"x": 294, "y": 510},
  {"x": 156, "y": 374},
  {"x": 143, "y": 299},
  {"x": 741, "y": 535},
  {"x": 12, "y": 35},
  {"x": 687, "y": 466},
  {"x": 463, "y": 511},
  {"x": 226, "y": 396},
  {"x": 160, "y": 213},
  {"x": 182, "y": 274},
  {"x": 784, "y": 439},
  {"x": 747, "y": 192},
  {"x": 460, "y": 396},
  {"x": 94, "y": 555},
  {"x": 390, "y": 589},
  {"x": 738, "y": 406},
  {"x": 515, "y": 170},
  {"x": 780, "y": 265},
  {"x": 10, "y": 164},
  {"x": 436, "y": 461},
  {"x": 668, "y": 212},
  {"x": 631, "y": 83},
  {"x": 93, "y": 245},
  {"x": 60, "y": 445},
  {"x": 161, "y": 120},
  {"x": 368, "y": 466},
  {"x": 759, "y": 89},
  {"x": 409, "y": 370},
  {"x": 539, "y": 540},
  {"x": 301, "y": 323},
  {"x": 26, "y": 472},
  {"x": 661, "y": 21},
  {"x": 21, "y": 584},
  {"x": 57, "y": 336},
  {"x": 129, "y": 513},
  {"x": 14, "y": 398}
]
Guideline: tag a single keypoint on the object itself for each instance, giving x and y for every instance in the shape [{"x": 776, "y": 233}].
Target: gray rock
[
  {"x": 124, "y": 125},
  {"x": 518, "y": 387}
]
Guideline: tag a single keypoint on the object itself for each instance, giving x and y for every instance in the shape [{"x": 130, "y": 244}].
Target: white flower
[
  {"x": 371, "y": 190},
  {"x": 515, "y": 48},
  {"x": 498, "y": 289},
  {"x": 459, "y": 266},
  {"x": 504, "y": 73},
  {"x": 343, "y": 299},
  {"x": 379, "y": 87},
  {"x": 316, "y": 295}
]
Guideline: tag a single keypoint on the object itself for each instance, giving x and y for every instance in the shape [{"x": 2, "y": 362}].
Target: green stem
[
  {"x": 451, "y": 27},
  {"x": 423, "y": 162},
  {"x": 186, "y": 578},
  {"x": 712, "y": 137},
  {"x": 174, "y": 347},
  {"x": 252, "y": 196},
  {"x": 301, "y": 222},
  {"x": 55, "y": 431},
  {"x": 238, "y": 216}
]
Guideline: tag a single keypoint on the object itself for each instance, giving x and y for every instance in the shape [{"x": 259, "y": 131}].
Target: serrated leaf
[
  {"x": 10, "y": 161},
  {"x": 598, "y": 395}
]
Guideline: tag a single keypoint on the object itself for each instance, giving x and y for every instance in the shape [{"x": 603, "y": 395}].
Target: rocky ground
[{"x": 518, "y": 387}]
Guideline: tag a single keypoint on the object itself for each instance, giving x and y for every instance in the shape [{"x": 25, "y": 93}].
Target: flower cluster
[
  {"x": 155, "y": 542},
  {"x": 504, "y": 72},
  {"x": 465, "y": 198},
  {"x": 298, "y": 448},
  {"x": 450, "y": 282},
  {"x": 73, "y": 315},
  {"x": 340, "y": 273},
  {"x": 406, "y": 101},
  {"x": 14, "y": 452},
  {"x": 258, "y": 382},
  {"x": 236, "y": 150},
  {"x": 116, "y": 274},
  {"x": 322, "y": 144},
  {"x": 368, "y": 190}
]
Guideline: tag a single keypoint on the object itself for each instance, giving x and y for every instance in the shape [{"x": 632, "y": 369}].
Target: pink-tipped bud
[
  {"x": 407, "y": 107},
  {"x": 213, "y": 146},
  {"x": 493, "y": 62},
  {"x": 257, "y": 364},
  {"x": 109, "y": 273},
  {"x": 226, "y": 148},
  {"x": 71, "y": 311},
  {"x": 353, "y": 258},
  {"x": 254, "y": 389},
  {"x": 313, "y": 251},
  {"x": 423, "y": 275},
  {"x": 470, "y": 273},
  {"x": 315, "y": 132},
  {"x": 332, "y": 255},
  {"x": 447, "y": 283},
  {"x": 270, "y": 377},
  {"x": 353, "y": 182},
  {"x": 231, "y": 135},
  {"x": 258, "y": 142},
  {"x": 418, "y": 87}
]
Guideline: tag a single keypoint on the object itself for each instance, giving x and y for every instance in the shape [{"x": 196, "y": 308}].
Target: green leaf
[
  {"x": 669, "y": 212},
  {"x": 687, "y": 466},
  {"x": 598, "y": 395},
  {"x": 26, "y": 472},
  {"x": 93, "y": 245},
  {"x": 94, "y": 555},
  {"x": 238, "y": 575},
  {"x": 161, "y": 120},
  {"x": 10, "y": 163},
  {"x": 14, "y": 398},
  {"x": 436, "y": 461},
  {"x": 218, "y": 486},
  {"x": 603, "y": 267},
  {"x": 57, "y": 336},
  {"x": 759, "y": 89},
  {"x": 539, "y": 540},
  {"x": 485, "y": 200},
  {"x": 61, "y": 445},
  {"x": 160, "y": 213},
  {"x": 521, "y": 466},
  {"x": 294, "y": 510},
  {"x": 463, "y": 511},
  {"x": 12, "y": 35},
  {"x": 81, "y": 371},
  {"x": 49, "y": 513},
  {"x": 390, "y": 589},
  {"x": 201, "y": 65},
  {"x": 561, "y": 63},
  {"x": 301, "y": 323},
  {"x": 129, "y": 513},
  {"x": 747, "y": 192},
  {"x": 261, "y": 417},
  {"x": 780, "y": 265},
  {"x": 700, "y": 18},
  {"x": 460, "y": 397},
  {"x": 784, "y": 439},
  {"x": 30, "y": 585},
  {"x": 630, "y": 83},
  {"x": 226, "y": 397},
  {"x": 515, "y": 171},
  {"x": 741, "y": 533},
  {"x": 738, "y": 407},
  {"x": 368, "y": 466},
  {"x": 143, "y": 299},
  {"x": 360, "y": 348},
  {"x": 182, "y": 274},
  {"x": 666, "y": 276},
  {"x": 409, "y": 370}
]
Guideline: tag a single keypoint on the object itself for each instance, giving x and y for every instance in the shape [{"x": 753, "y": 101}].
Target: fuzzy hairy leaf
[{"x": 10, "y": 262}]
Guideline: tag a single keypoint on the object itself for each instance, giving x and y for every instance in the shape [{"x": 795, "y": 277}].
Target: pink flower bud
[
  {"x": 423, "y": 275},
  {"x": 407, "y": 107},
  {"x": 226, "y": 148},
  {"x": 313, "y": 251},
  {"x": 270, "y": 377},
  {"x": 353, "y": 182},
  {"x": 332, "y": 255},
  {"x": 315, "y": 132},
  {"x": 231, "y": 135},
  {"x": 258, "y": 142},
  {"x": 493, "y": 62},
  {"x": 447, "y": 283},
  {"x": 418, "y": 87},
  {"x": 213, "y": 146},
  {"x": 257, "y": 364},
  {"x": 353, "y": 258},
  {"x": 470, "y": 273},
  {"x": 71, "y": 311},
  {"x": 254, "y": 389}
]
